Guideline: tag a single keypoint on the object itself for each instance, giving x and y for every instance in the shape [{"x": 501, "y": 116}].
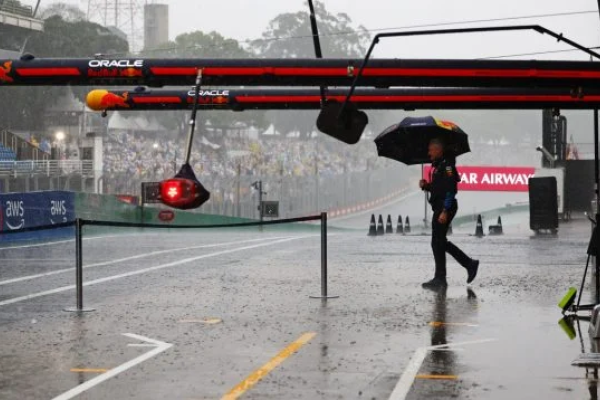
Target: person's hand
[
  {"x": 443, "y": 218},
  {"x": 422, "y": 183}
]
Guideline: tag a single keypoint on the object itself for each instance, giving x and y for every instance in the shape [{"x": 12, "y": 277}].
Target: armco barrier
[{"x": 29, "y": 210}]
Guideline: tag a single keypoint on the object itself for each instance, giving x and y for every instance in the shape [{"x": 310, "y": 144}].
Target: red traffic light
[{"x": 183, "y": 193}]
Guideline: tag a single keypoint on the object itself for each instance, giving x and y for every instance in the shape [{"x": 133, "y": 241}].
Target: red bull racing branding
[
  {"x": 210, "y": 96},
  {"x": 5, "y": 70},
  {"x": 115, "y": 68}
]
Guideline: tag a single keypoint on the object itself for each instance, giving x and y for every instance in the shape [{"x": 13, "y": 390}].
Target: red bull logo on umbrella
[{"x": 451, "y": 126}]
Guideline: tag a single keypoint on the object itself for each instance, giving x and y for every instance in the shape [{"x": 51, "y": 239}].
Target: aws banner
[
  {"x": 504, "y": 179},
  {"x": 25, "y": 210}
]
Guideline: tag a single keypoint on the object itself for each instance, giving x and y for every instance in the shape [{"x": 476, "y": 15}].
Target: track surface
[{"x": 227, "y": 314}]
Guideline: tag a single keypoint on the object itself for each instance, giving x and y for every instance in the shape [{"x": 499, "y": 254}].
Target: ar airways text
[{"x": 490, "y": 178}]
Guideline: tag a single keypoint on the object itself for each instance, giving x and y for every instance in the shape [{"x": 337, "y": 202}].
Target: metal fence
[
  {"x": 15, "y": 7},
  {"x": 230, "y": 195},
  {"x": 46, "y": 168},
  {"x": 297, "y": 196}
]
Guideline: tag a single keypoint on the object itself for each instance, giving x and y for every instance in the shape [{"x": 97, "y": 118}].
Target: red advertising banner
[{"x": 490, "y": 179}]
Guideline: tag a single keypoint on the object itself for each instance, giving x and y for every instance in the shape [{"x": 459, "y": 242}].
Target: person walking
[{"x": 442, "y": 188}]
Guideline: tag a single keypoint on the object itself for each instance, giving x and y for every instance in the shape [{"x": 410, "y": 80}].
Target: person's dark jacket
[{"x": 443, "y": 184}]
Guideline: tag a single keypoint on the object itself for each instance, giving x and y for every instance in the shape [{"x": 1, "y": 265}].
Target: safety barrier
[{"x": 79, "y": 223}]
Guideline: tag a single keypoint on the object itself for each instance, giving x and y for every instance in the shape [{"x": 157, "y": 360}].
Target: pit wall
[{"x": 26, "y": 210}]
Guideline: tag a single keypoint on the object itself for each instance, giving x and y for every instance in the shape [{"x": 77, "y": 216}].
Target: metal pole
[
  {"x": 324, "y": 254},
  {"x": 597, "y": 183},
  {"x": 79, "y": 264},
  {"x": 190, "y": 138},
  {"x": 424, "y": 198},
  {"x": 260, "y": 208},
  {"x": 324, "y": 295},
  {"x": 316, "y": 43},
  {"x": 238, "y": 191},
  {"x": 79, "y": 269}
]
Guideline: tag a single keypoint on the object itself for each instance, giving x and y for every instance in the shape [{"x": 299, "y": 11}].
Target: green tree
[
  {"x": 289, "y": 36},
  {"x": 24, "y": 107},
  {"x": 199, "y": 44}
]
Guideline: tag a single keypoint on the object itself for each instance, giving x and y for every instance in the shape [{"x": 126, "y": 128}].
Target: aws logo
[
  {"x": 58, "y": 209},
  {"x": 14, "y": 214}
]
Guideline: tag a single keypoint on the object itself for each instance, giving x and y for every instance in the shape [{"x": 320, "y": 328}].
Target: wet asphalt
[{"x": 228, "y": 312}]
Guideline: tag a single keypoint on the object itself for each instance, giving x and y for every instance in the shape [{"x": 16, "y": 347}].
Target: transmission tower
[{"x": 125, "y": 15}]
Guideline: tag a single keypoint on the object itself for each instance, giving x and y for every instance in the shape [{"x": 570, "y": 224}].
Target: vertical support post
[
  {"x": 425, "y": 220},
  {"x": 596, "y": 184},
  {"x": 79, "y": 264},
  {"x": 238, "y": 192},
  {"x": 79, "y": 269},
  {"x": 324, "y": 295},
  {"x": 260, "y": 201},
  {"x": 324, "y": 254}
]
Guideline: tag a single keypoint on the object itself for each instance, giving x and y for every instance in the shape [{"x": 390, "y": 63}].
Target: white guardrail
[{"x": 47, "y": 168}]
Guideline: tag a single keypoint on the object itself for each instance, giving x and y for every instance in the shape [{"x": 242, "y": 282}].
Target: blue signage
[{"x": 27, "y": 210}]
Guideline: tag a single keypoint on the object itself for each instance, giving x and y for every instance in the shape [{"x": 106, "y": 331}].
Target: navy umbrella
[{"x": 408, "y": 140}]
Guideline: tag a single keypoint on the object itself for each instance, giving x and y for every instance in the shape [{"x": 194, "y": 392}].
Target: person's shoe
[
  {"x": 435, "y": 284},
  {"x": 472, "y": 271}
]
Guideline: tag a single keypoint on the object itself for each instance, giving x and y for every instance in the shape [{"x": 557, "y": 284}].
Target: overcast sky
[{"x": 247, "y": 19}]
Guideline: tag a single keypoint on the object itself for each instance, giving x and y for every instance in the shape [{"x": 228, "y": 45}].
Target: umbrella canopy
[{"x": 408, "y": 141}]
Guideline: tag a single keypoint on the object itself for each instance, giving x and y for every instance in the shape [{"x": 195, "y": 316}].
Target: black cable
[{"x": 536, "y": 53}]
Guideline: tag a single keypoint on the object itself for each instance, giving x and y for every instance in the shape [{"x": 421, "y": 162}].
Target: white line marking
[
  {"x": 119, "y": 260},
  {"x": 159, "y": 348},
  {"x": 408, "y": 376},
  {"x": 143, "y": 271},
  {"x": 28, "y": 246},
  {"x": 37, "y": 245}
]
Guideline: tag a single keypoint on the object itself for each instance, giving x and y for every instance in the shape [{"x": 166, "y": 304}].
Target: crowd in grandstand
[{"x": 138, "y": 155}]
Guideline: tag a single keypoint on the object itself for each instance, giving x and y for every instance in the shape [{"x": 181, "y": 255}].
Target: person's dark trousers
[{"x": 440, "y": 245}]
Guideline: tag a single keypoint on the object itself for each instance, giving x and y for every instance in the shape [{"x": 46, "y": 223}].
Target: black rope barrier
[
  {"x": 212, "y": 226},
  {"x": 79, "y": 223}
]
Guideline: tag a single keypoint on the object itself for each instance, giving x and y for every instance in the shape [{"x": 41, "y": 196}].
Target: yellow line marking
[
  {"x": 207, "y": 321},
  {"x": 260, "y": 373},
  {"x": 436, "y": 324},
  {"x": 90, "y": 370},
  {"x": 438, "y": 377}
]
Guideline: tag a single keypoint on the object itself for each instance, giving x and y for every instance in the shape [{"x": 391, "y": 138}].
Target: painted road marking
[
  {"x": 207, "y": 321},
  {"x": 260, "y": 373},
  {"x": 437, "y": 324},
  {"x": 120, "y": 260},
  {"x": 159, "y": 347},
  {"x": 145, "y": 270},
  {"x": 90, "y": 370},
  {"x": 28, "y": 246},
  {"x": 437, "y": 377},
  {"x": 410, "y": 373}
]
